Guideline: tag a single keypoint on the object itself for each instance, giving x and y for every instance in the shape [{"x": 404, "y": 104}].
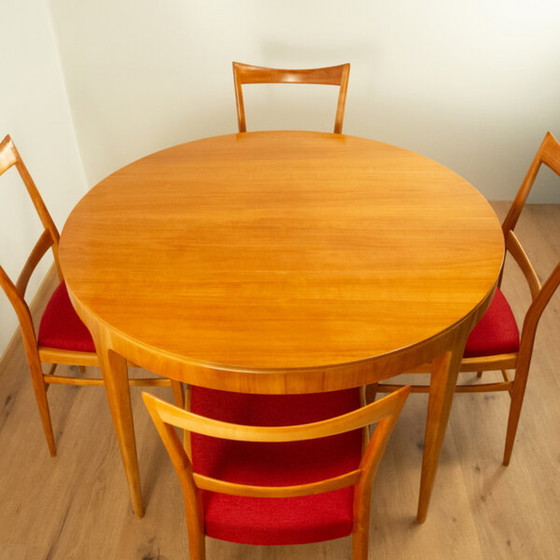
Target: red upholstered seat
[
  {"x": 272, "y": 521},
  {"x": 496, "y": 333},
  {"x": 61, "y": 327}
]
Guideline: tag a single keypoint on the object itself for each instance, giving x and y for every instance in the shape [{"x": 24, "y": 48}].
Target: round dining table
[{"x": 282, "y": 262}]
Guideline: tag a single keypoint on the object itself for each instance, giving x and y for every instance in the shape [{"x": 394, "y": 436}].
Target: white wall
[
  {"x": 34, "y": 110},
  {"x": 473, "y": 84}
]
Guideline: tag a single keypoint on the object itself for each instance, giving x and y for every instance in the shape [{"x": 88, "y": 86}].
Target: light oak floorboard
[{"x": 76, "y": 506}]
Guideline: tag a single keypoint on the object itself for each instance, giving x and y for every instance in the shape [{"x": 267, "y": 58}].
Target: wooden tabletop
[{"x": 270, "y": 252}]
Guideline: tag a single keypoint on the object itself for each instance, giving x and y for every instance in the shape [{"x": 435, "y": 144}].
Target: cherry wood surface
[
  {"x": 282, "y": 262},
  {"x": 274, "y": 251}
]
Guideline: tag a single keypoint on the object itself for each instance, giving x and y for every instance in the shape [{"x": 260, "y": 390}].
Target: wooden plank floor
[{"x": 76, "y": 506}]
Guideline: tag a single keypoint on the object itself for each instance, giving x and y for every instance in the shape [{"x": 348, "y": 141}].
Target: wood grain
[{"x": 278, "y": 252}]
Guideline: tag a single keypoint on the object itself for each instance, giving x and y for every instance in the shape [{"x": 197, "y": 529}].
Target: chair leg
[
  {"x": 517, "y": 395},
  {"x": 371, "y": 393},
  {"x": 187, "y": 435},
  {"x": 178, "y": 394},
  {"x": 197, "y": 539},
  {"x": 360, "y": 543},
  {"x": 365, "y": 429},
  {"x": 40, "y": 390}
]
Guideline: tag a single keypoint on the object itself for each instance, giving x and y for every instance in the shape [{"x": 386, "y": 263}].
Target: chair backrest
[
  {"x": 548, "y": 154},
  {"x": 332, "y": 75},
  {"x": 167, "y": 417},
  {"x": 49, "y": 238}
]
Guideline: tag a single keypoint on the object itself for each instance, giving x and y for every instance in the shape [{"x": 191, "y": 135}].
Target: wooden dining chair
[
  {"x": 276, "y": 469},
  {"x": 332, "y": 75},
  {"x": 495, "y": 344},
  {"x": 62, "y": 338}
]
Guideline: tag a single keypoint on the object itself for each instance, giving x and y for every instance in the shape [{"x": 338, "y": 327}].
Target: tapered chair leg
[
  {"x": 187, "y": 435},
  {"x": 360, "y": 543},
  {"x": 370, "y": 393},
  {"x": 40, "y": 390},
  {"x": 197, "y": 548},
  {"x": 517, "y": 396},
  {"x": 178, "y": 393}
]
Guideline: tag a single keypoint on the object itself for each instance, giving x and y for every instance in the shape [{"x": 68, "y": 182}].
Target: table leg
[
  {"x": 445, "y": 369},
  {"x": 115, "y": 375}
]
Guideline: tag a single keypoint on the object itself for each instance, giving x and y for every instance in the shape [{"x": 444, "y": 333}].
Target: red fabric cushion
[
  {"x": 497, "y": 331},
  {"x": 61, "y": 327},
  {"x": 273, "y": 521}
]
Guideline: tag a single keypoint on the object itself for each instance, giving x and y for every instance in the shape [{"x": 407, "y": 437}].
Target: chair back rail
[{"x": 249, "y": 74}]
